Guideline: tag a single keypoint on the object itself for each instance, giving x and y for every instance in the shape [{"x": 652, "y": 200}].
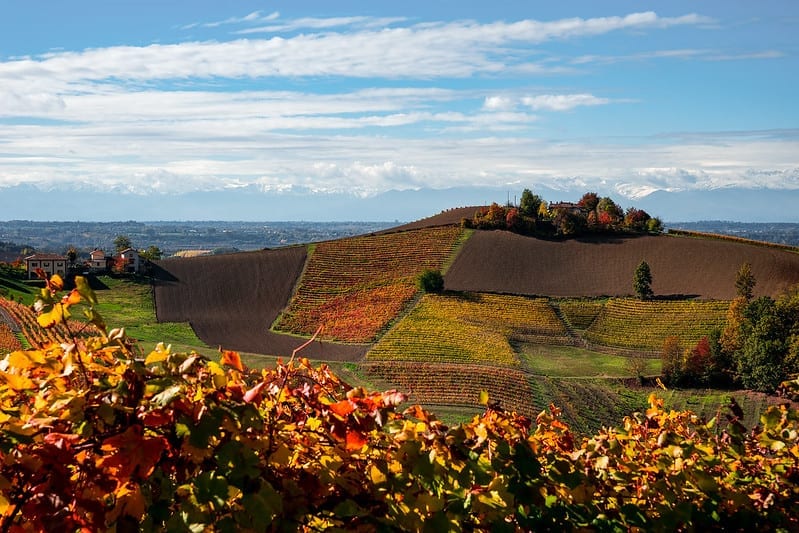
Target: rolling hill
[
  {"x": 233, "y": 300},
  {"x": 529, "y": 320}
]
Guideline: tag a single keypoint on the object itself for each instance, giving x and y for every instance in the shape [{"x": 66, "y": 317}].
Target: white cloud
[
  {"x": 456, "y": 49},
  {"x": 562, "y": 102},
  {"x": 543, "y": 102},
  {"x": 499, "y": 103},
  {"x": 314, "y": 23},
  {"x": 685, "y": 54}
]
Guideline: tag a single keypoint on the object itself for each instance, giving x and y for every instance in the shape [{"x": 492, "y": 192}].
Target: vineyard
[
  {"x": 25, "y": 318},
  {"x": 458, "y": 384},
  {"x": 580, "y": 312},
  {"x": 8, "y": 340},
  {"x": 354, "y": 287},
  {"x": 469, "y": 328},
  {"x": 644, "y": 325}
]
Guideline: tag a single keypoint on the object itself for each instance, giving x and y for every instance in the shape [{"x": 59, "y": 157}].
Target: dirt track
[
  {"x": 231, "y": 300},
  {"x": 499, "y": 261}
]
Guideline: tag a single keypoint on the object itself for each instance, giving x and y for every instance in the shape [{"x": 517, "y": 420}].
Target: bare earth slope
[
  {"x": 450, "y": 217},
  {"x": 231, "y": 301},
  {"x": 499, "y": 261}
]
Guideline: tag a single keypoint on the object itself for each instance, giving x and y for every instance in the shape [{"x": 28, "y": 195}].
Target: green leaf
[
  {"x": 86, "y": 292},
  {"x": 211, "y": 489}
]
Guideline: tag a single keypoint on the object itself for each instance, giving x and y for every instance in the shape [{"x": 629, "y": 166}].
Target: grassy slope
[{"x": 12, "y": 285}]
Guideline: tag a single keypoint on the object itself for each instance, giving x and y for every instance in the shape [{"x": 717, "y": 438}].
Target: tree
[
  {"x": 153, "y": 253},
  {"x": 431, "y": 281},
  {"x": 589, "y": 201},
  {"x": 612, "y": 212},
  {"x": 72, "y": 256},
  {"x": 735, "y": 325},
  {"x": 529, "y": 204},
  {"x": 122, "y": 242},
  {"x": 636, "y": 219},
  {"x": 654, "y": 225},
  {"x": 642, "y": 281},
  {"x": 671, "y": 359},
  {"x": 745, "y": 282},
  {"x": 760, "y": 362}
]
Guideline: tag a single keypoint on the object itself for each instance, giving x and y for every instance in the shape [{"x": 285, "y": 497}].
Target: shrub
[{"x": 431, "y": 281}]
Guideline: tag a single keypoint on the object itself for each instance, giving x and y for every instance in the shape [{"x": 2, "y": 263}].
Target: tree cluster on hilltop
[{"x": 591, "y": 214}]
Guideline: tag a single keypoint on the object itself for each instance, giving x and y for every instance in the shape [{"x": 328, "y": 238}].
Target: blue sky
[{"x": 359, "y": 98}]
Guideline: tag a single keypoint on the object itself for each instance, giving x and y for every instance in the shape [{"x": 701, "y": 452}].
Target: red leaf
[
  {"x": 157, "y": 418},
  {"x": 61, "y": 440}
]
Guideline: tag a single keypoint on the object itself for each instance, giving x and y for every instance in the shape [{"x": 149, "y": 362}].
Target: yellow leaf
[
  {"x": 18, "y": 383},
  {"x": 18, "y": 360},
  {"x": 52, "y": 317},
  {"x": 4, "y": 505},
  {"x": 156, "y": 356},
  {"x": 56, "y": 282},
  {"x": 483, "y": 397},
  {"x": 376, "y": 475}
]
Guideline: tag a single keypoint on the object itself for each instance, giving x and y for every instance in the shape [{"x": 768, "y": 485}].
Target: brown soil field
[
  {"x": 450, "y": 217},
  {"x": 232, "y": 300},
  {"x": 503, "y": 262}
]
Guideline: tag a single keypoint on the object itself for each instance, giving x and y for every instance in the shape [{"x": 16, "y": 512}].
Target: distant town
[{"x": 20, "y": 238}]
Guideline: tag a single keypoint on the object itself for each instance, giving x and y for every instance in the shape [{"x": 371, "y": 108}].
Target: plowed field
[
  {"x": 499, "y": 261},
  {"x": 232, "y": 300}
]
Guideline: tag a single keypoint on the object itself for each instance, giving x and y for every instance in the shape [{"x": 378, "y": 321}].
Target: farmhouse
[
  {"x": 566, "y": 206},
  {"x": 99, "y": 261},
  {"x": 131, "y": 260},
  {"x": 49, "y": 263}
]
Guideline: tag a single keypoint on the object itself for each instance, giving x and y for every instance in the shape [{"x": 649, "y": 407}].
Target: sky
[{"x": 159, "y": 98}]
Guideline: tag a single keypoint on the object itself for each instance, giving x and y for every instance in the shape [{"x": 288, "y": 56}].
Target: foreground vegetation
[{"x": 96, "y": 438}]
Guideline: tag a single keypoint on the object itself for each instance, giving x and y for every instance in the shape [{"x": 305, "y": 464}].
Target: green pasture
[{"x": 572, "y": 361}]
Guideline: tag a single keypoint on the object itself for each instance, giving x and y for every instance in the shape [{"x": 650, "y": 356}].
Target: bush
[{"x": 431, "y": 281}]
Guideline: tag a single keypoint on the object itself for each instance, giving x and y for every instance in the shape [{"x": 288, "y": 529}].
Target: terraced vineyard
[
  {"x": 8, "y": 340},
  {"x": 644, "y": 325},
  {"x": 469, "y": 328},
  {"x": 354, "y": 287},
  {"x": 457, "y": 384},
  {"x": 25, "y": 318},
  {"x": 580, "y": 312}
]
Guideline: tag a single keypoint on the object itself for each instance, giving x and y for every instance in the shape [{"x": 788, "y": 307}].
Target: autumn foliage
[{"x": 95, "y": 436}]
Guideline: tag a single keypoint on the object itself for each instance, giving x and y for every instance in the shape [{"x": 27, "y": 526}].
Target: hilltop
[{"x": 233, "y": 300}]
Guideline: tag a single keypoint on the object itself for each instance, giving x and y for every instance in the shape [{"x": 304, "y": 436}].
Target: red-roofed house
[{"x": 50, "y": 263}]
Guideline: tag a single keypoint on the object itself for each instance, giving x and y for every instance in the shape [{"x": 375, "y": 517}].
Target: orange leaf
[
  {"x": 131, "y": 452},
  {"x": 232, "y": 358},
  {"x": 355, "y": 440},
  {"x": 72, "y": 298},
  {"x": 342, "y": 408}
]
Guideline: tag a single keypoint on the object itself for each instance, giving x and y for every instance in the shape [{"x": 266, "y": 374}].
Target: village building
[
  {"x": 131, "y": 260},
  {"x": 99, "y": 261},
  {"x": 50, "y": 264}
]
